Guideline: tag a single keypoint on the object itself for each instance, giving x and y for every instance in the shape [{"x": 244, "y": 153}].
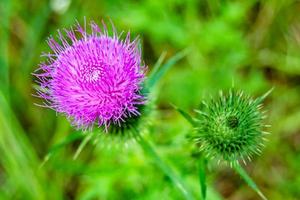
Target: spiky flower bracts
[{"x": 230, "y": 127}]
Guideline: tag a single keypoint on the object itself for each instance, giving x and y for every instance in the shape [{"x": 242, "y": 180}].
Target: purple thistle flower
[{"x": 92, "y": 77}]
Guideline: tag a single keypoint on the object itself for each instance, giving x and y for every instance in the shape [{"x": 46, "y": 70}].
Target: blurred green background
[{"x": 253, "y": 44}]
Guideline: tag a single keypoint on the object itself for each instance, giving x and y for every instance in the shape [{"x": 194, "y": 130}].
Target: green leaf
[
  {"x": 159, "y": 72},
  {"x": 68, "y": 139},
  {"x": 187, "y": 116},
  {"x": 240, "y": 170},
  {"x": 263, "y": 97}
]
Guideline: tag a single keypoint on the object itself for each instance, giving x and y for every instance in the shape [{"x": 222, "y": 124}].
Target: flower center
[
  {"x": 232, "y": 121},
  {"x": 91, "y": 73}
]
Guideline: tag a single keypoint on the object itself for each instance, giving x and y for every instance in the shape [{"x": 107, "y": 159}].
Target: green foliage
[{"x": 254, "y": 44}]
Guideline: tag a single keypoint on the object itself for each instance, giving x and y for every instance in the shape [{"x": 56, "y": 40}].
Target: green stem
[
  {"x": 162, "y": 165},
  {"x": 240, "y": 170},
  {"x": 202, "y": 176}
]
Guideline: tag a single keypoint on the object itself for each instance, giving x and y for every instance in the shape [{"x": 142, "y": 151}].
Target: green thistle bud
[{"x": 230, "y": 127}]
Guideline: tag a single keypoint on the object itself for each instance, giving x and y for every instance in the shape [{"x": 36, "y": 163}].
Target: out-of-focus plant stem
[{"x": 149, "y": 150}]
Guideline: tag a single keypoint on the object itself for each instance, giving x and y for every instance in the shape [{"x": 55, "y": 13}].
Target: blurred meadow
[{"x": 253, "y": 45}]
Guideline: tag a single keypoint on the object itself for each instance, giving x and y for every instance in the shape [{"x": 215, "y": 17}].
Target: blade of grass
[
  {"x": 5, "y": 10},
  {"x": 158, "y": 73},
  {"x": 86, "y": 139},
  {"x": 36, "y": 27},
  {"x": 240, "y": 170},
  {"x": 18, "y": 159},
  {"x": 149, "y": 150},
  {"x": 158, "y": 64}
]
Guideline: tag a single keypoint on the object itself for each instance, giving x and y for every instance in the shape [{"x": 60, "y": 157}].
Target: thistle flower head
[
  {"x": 92, "y": 77},
  {"x": 230, "y": 127}
]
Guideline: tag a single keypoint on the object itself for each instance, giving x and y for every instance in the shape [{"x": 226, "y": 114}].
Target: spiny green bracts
[
  {"x": 123, "y": 136},
  {"x": 135, "y": 122},
  {"x": 230, "y": 127}
]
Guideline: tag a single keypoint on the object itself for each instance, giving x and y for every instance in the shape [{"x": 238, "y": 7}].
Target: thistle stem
[
  {"x": 242, "y": 172},
  {"x": 202, "y": 176},
  {"x": 149, "y": 150}
]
